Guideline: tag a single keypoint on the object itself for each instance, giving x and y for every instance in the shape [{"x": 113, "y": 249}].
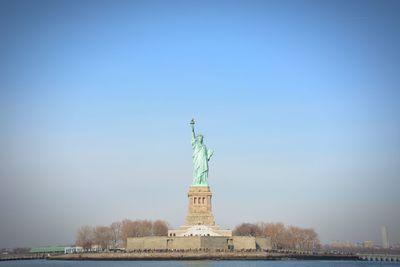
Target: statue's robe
[{"x": 201, "y": 156}]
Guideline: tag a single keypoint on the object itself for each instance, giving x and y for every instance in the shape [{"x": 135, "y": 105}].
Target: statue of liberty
[{"x": 201, "y": 156}]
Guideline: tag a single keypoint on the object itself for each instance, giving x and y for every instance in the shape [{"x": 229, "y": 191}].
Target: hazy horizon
[{"x": 299, "y": 100}]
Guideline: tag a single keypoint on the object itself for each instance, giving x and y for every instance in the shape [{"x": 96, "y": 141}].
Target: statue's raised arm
[{"x": 193, "y": 134}]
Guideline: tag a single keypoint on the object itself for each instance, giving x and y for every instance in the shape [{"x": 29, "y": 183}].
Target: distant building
[
  {"x": 48, "y": 249},
  {"x": 342, "y": 244},
  {"x": 56, "y": 250},
  {"x": 5, "y": 251},
  {"x": 368, "y": 244},
  {"x": 385, "y": 239},
  {"x": 71, "y": 250},
  {"x": 359, "y": 244}
]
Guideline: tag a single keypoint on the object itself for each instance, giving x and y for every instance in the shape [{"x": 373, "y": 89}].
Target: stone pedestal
[
  {"x": 199, "y": 208},
  {"x": 200, "y": 219}
]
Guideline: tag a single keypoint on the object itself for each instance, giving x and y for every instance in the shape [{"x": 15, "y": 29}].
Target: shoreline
[{"x": 198, "y": 256}]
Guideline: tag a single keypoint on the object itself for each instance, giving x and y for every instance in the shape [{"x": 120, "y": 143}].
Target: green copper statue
[{"x": 201, "y": 156}]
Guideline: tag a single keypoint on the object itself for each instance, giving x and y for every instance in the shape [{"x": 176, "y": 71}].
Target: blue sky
[{"x": 300, "y": 101}]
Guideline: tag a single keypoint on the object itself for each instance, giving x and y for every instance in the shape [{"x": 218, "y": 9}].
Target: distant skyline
[{"x": 299, "y": 99}]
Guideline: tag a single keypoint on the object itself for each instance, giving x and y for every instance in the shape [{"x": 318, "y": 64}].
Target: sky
[{"x": 299, "y": 100}]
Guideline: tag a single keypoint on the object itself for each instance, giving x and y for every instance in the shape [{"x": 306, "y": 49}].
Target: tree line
[
  {"x": 115, "y": 235},
  {"x": 282, "y": 237}
]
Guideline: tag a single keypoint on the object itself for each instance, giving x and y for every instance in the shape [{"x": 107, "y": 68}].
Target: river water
[{"x": 37, "y": 263}]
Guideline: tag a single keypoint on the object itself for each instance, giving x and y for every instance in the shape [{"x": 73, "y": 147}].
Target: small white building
[{"x": 72, "y": 250}]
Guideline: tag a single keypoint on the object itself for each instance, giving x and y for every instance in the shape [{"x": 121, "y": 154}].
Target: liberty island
[{"x": 200, "y": 238}]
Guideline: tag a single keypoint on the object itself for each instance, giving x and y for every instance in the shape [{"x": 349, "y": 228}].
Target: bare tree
[
  {"x": 145, "y": 228},
  {"x": 116, "y": 234},
  {"x": 275, "y": 231},
  {"x": 136, "y": 228},
  {"x": 85, "y": 237},
  {"x": 103, "y": 236},
  {"x": 160, "y": 228},
  {"x": 130, "y": 228},
  {"x": 293, "y": 237},
  {"x": 247, "y": 229},
  {"x": 311, "y": 239},
  {"x": 116, "y": 231},
  {"x": 282, "y": 237}
]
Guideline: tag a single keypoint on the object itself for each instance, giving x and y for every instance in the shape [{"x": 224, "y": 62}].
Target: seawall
[{"x": 154, "y": 256}]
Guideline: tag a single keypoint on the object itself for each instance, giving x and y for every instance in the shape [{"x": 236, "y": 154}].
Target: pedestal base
[
  {"x": 199, "y": 220},
  {"x": 199, "y": 208},
  {"x": 199, "y": 230}
]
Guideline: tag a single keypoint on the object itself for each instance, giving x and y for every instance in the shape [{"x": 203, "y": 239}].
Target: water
[{"x": 44, "y": 263}]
